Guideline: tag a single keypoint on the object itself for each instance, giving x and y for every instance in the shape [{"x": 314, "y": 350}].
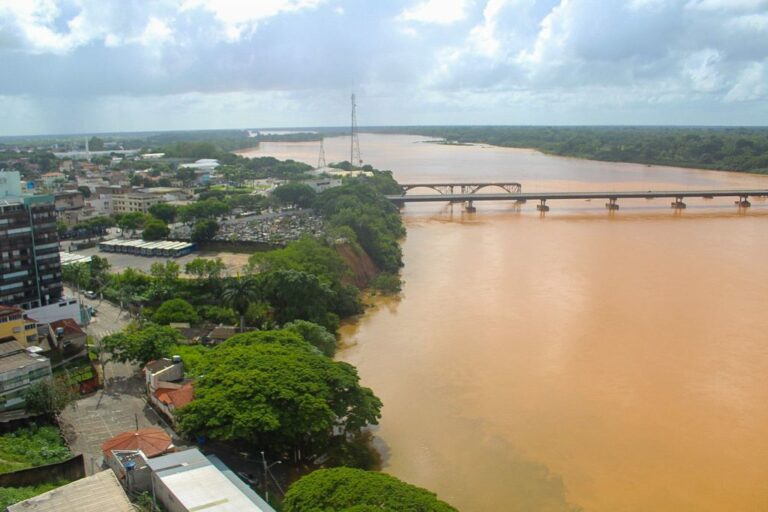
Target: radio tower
[
  {"x": 354, "y": 151},
  {"x": 321, "y": 157}
]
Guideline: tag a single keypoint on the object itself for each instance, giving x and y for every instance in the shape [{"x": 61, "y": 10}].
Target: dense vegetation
[
  {"x": 348, "y": 489},
  {"x": 12, "y": 495},
  {"x": 273, "y": 389},
  {"x": 732, "y": 149},
  {"x": 32, "y": 446}
]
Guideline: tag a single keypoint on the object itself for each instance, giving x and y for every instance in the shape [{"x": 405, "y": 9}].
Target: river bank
[{"x": 552, "y": 362}]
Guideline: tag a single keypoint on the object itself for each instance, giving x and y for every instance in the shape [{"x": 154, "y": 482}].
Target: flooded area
[{"x": 575, "y": 360}]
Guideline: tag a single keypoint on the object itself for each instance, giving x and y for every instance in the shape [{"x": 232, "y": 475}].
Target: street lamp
[{"x": 266, "y": 472}]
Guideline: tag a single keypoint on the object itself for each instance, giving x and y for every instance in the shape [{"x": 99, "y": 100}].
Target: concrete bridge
[
  {"x": 468, "y": 198},
  {"x": 462, "y": 188}
]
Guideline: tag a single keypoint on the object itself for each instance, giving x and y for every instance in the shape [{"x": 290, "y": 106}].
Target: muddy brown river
[{"x": 581, "y": 359}]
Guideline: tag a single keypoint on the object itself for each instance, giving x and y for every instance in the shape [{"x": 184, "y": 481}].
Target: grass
[
  {"x": 12, "y": 495},
  {"x": 32, "y": 446}
]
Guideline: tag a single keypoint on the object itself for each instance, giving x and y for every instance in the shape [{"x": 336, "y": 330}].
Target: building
[
  {"x": 68, "y": 200},
  {"x": 322, "y": 184},
  {"x": 69, "y": 336},
  {"x": 15, "y": 324},
  {"x": 188, "y": 480},
  {"x": 166, "y": 387},
  {"x": 97, "y": 493},
  {"x": 134, "y": 202},
  {"x": 19, "y": 369},
  {"x": 30, "y": 269}
]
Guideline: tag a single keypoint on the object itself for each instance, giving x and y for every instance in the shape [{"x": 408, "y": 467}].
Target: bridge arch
[{"x": 462, "y": 188}]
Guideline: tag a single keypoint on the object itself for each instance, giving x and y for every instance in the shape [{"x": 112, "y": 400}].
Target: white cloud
[
  {"x": 238, "y": 16},
  {"x": 442, "y": 12},
  {"x": 750, "y": 84},
  {"x": 701, "y": 69}
]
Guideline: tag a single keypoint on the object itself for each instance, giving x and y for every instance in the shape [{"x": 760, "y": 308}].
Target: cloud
[
  {"x": 443, "y": 12},
  {"x": 472, "y": 61}
]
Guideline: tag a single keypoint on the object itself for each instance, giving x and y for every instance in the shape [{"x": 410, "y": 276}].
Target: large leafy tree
[
  {"x": 271, "y": 389},
  {"x": 175, "y": 310},
  {"x": 140, "y": 345},
  {"x": 239, "y": 293},
  {"x": 349, "y": 489},
  {"x": 298, "y": 295},
  {"x": 295, "y": 194},
  {"x": 155, "y": 229},
  {"x": 164, "y": 211},
  {"x": 316, "y": 335}
]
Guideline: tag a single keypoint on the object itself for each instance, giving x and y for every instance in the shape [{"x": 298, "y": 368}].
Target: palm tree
[{"x": 239, "y": 293}]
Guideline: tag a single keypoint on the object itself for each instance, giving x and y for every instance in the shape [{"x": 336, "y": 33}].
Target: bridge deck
[{"x": 538, "y": 196}]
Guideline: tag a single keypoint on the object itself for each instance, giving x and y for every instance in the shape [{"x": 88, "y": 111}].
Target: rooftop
[
  {"x": 176, "y": 397},
  {"x": 98, "y": 493}
]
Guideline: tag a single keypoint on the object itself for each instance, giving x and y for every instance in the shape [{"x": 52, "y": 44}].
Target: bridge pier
[
  {"x": 611, "y": 204},
  {"x": 743, "y": 202},
  {"x": 470, "y": 208},
  {"x": 678, "y": 203},
  {"x": 542, "y": 207}
]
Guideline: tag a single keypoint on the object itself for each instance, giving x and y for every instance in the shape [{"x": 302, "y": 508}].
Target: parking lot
[{"x": 234, "y": 261}]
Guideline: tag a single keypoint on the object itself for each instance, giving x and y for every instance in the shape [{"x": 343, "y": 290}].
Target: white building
[{"x": 189, "y": 481}]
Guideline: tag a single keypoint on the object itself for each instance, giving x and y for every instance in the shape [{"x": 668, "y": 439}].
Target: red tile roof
[
  {"x": 176, "y": 397},
  {"x": 151, "y": 441},
  {"x": 70, "y": 326},
  {"x": 9, "y": 310}
]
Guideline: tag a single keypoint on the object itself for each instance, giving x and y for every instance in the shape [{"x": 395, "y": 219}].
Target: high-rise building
[{"x": 30, "y": 268}]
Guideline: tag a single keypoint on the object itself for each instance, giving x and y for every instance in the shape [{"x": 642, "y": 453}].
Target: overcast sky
[{"x": 87, "y": 66}]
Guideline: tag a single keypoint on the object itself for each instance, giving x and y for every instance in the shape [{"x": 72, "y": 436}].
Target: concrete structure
[
  {"x": 467, "y": 195},
  {"x": 98, "y": 493},
  {"x": 30, "y": 270},
  {"x": 65, "y": 307},
  {"x": 19, "y": 369},
  {"x": 15, "y": 324},
  {"x": 134, "y": 202},
  {"x": 321, "y": 184},
  {"x": 131, "y": 469},
  {"x": 68, "y": 200},
  {"x": 189, "y": 481},
  {"x": 69, "y": 336}
]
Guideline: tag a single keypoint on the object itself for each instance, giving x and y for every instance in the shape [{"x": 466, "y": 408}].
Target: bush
[{"x": 389, "y": 284}]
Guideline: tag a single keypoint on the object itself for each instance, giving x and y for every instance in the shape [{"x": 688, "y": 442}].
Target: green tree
[
  {"x": 175, "y": 310},
  {"x": 239, "y": 293},
  {"x": 298, "y": 295},
  {"x": 164, "y": 211},
  {"x": 204, "y": 230},
  {"x": 141, "y": 345},
  {"x": 350, "y": 489},
  {"x": 272, "y": 389},
  {"x": 316, "y": 335},
  {"x": 205, "y": 268},
  {"x": 295, "y": 194},
  {"x": 131, "y": 221},
  {"x": 95, "y": 144},
  {"x": 155, "y": 229},
  {"x": 50, "y": 396}
]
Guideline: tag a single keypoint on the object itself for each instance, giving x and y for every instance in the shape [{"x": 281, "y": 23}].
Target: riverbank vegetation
[{"x": 743, "y": 149}]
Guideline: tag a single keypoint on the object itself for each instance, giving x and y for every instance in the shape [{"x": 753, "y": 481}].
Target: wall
[{"x": 70, "y": 470}]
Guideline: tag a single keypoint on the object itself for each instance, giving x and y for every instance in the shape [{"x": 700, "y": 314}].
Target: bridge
[
  {"x": 468, "y": 197},
  {"x": 463, "y": 188}
]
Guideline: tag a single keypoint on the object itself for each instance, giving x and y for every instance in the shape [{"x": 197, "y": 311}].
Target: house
[
  {"x": 97, "y": 493},
  {"x": 15, "y": 324},
  {"x": 19, "y": 369},
  {"x": 166, "y": 387},
  {"x": 188, "y": 480},
  {"x": 69, "y": 336},
  {"x": 221, "y": 333}
]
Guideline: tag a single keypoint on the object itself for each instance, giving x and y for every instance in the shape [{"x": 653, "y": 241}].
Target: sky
[{"x": 92, "y": 66}]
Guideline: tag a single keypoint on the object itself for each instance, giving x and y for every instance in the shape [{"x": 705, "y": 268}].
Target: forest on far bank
[{"x": 742, "y": 149}]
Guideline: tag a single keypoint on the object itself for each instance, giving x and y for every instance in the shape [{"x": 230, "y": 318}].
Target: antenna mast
[
  {"x": 354, "y": 151},
  {"x": 321, "y": 157}
]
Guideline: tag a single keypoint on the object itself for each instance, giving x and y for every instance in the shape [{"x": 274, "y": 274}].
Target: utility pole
[{"x": 321, "y": 157}]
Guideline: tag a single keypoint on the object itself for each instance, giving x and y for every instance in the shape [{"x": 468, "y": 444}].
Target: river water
[{"x": 576, "y": 360}]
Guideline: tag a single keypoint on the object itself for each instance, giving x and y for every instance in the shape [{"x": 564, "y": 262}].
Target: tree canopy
[
  {"x": 141, "y": 345},
  {"x": 348, "y": 489},
  {"x": 154, "y": 229},
  {"x": 295, "y": 194},
  {"x": 272, "y": 389},
  {"x": 175, "y": 310}
]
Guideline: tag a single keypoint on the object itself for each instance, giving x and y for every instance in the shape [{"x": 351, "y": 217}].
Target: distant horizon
[{"x": 366, "y": 128}]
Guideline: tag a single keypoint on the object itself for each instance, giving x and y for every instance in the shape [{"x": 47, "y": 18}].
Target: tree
[
  {"x": 297, "y": 295},
  {"x": 50, "y": 396},
  {"x": 131, "y": 221},
  {"x": 95, "y": 144},
  {"x": 141, "y": 345},
  {"x": 204, "y": 230},
  {"x": 155, "y": 229},
  {"x": 164, "y": 211},
  {"x": 272, "y": 389},
  {"x": 295, "y": 194},
  {"x": 239, "y": 293},
  {"x": 316, "y": 335},
  {"x": 362, "y": 491},
  {"x": 205, "y": 268},
  {"x": 85, "y": 191},
  {"x": 175, "y": 310}
]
